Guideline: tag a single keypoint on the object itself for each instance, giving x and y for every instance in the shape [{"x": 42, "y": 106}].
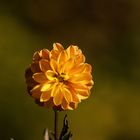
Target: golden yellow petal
[
  {"x": 46, "y": 86},
  {"x": 57, "y": 99},
  {"x": 45, "y": 96},
  {"x": 35, "y": 92},
  {"x": 78, "y": 86},
  {"x": 50, "y": 75},
  {"x": 54, "y": 54},
  {"x": 62, "y": 57},
  {"x": 88, "y": 68},
  {"x": 80, "y": 58},
  {"x": 82, "y": 78},
  {"x": 53, "y": 65},
  {"x": 58, "y": 47},
  {"x": 77, "y": 69},
  {"x": 67, "y": 66},
  {"x": 71, "y": 50},
  {"x": 39, "y": 77},
  {"x": 67, "y": 95},
  {"x": 44, "y": 65}
]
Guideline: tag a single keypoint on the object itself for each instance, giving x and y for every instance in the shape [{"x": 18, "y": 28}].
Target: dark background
[{"x": 108, "y": 32}]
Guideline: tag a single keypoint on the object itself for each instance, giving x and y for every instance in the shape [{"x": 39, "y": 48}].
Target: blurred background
[{"x": 107, "y": 31}]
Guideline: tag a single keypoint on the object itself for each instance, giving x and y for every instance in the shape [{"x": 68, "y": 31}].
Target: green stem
[{"x": 56, "y": 125}]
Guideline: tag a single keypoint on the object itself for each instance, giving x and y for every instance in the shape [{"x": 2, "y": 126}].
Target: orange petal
[
  {"x": 58, "y": 98},
  {"x": 74, "y": 96},
  {"x": 64, "y": 104},
  {"x": 45, "y": 54},
  {"x": 58, "y": 47},
  {"x": 45, "y": 96},
  {"x": 35, "y": 67},
  {"x": 35, "y": 92},
  {"x": 73, "y": 106},
  {"x": 44, "y": 65},
  {"x": 88, "y": 68},
  {"x": 67, "y": 95},
  {"x": 40, "y": 77},
  {"x": 83, "y": 92}
]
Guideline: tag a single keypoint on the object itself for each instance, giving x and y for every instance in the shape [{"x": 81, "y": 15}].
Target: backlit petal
[{"x": 58, "y": 47}]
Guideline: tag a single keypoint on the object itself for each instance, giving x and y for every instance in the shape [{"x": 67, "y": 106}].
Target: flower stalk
[{"x": 56, "y": 124}]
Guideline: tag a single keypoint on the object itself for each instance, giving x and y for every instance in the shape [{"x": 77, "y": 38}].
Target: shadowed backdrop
[{"x": 108, "y": 32}]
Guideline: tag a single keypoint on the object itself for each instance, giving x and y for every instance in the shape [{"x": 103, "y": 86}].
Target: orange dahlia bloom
[{"x": 59, "y": 78}]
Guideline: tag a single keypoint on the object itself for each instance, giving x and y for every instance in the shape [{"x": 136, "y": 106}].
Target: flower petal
[
  {"x": 80, "y": 59},
  {"x": 50, "y": 75},
  {"x": 67, "y": 66},
  {"x": 78, "y": 86},
  {"x": 44, "y": 65},
  {"x": 45, "y": 54},
  {"x": 58, "y": 97},
  {"x": 45, "y": 96},
  {"x": 88, "y": 68},
  {"x": 58, "y": 47},
  {"x": 75, "y": 98},
  {"x": 84, "y": 93},
  {"x": 35, "y": 92},
  {"x": 71, "y": 50},
  {"x": 73, "y": 106},
  {"x": 40, "y": 77},
  {"x": 35, "y": 67},
  {"x": 77, "y": 69},
  {"x": 64, "y": 104},
  {"x": 82, "y": 78},
  {"x": 53, "y": 65},
  {"x": 67, "y": 95},
  {"x": 46, "y": 86},
  {"x": 36, "y": 56},
  {"x": 62, "y": 57}
]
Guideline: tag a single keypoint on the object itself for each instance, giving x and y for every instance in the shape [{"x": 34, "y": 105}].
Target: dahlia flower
[{"x": 59, "y": 78}]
